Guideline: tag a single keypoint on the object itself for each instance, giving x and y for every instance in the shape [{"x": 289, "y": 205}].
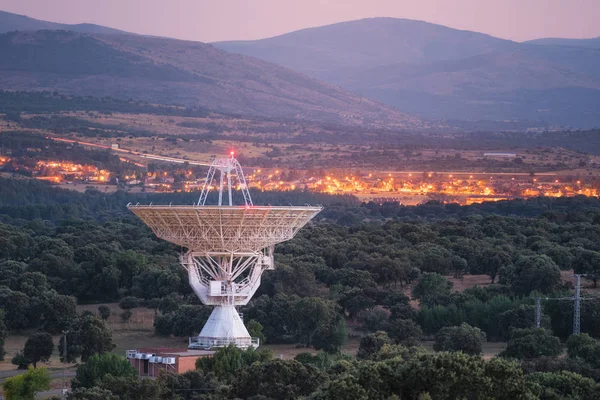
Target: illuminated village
[{"x": 404, "y": 187}]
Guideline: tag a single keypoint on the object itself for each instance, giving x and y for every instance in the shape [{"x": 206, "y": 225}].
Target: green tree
[
  {"x": 98, "y": 366},
  {"x": 465, "y": 338},
  {"x": 374, "y": 319},
  {"x": 519, "y": 318},
  {"x": 587, "y": 262},
  {"x": 564, "y": 385},
  {"x": 133, "y": 387},
  {"x": 277, "y": 379},
  {"x": 104, "y": 312},
  {"x": 532, "y": 343},
  {"x": 129, "y": 302},
  {"x": 3, "y": 335},
  {"x": 185, "y": 321},
  {"x": 20, "y": 360},
  {"x": 584, "y": 347},
  {"x": 430, "y": 285},
  {"x": 507, "y": 380},
  {"x": 444, "y": 375},
  {"x": 310, "y": 314},
  {"x": 331, "y": 337},
  {"x": 189, "y": 386},
  {"x": 17, "y": 308},
  {"x": 59, "y": 313},
  {"x": 38, "y": 347},
  {"x": 322, "y": 360},
  {"x": 89, "y": 335},
  {"x": 345, "y": 387},
  {"x": 405, "y": 332},
  {"x": 130, "y": 263},
  {"x": 126, "y": 315},
  {"x": 391, "y": 271},
  {"x": 93, "y": 393},
  {"x": 371, "y": 344},
  {"x": 492, "y": 260},
  {"x": 25, "y": 386},
  {"x": 227, "y": 361},
  {"x": 255, "y": 329},
  {"x": 531, "y": 273}
]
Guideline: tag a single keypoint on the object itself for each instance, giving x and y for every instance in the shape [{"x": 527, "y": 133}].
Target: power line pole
[
  {"x": 64, "y": 388},
  {"x": 577, "y": 306},
  {"x": 538, "y": 312}
]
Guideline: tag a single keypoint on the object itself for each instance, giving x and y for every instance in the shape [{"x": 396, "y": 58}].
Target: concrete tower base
[{"x": 224, "y": 327}]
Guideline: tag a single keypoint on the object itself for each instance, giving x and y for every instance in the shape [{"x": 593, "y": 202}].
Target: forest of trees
[
  {"x": 61, "y": 248},
  {"x": 13, "y": 103}
]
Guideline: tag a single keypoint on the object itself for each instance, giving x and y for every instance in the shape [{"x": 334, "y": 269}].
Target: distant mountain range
[
  {"x": 420, "y": 68},
  {"x": 593, "y": 43},
  {"x": 172, "y": 71},
  {"x": 439, "y": 72},
  {"x": 13, "y": 22}
]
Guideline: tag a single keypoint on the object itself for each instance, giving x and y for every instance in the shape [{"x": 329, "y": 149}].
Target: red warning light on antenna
[{"x": 232, "y": 153}]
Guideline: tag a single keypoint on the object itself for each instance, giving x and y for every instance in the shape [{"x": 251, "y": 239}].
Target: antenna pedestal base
[{"x": 224, "y": 327}]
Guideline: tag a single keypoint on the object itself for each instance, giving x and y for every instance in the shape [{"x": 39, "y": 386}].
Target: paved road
[
  {"x": 54, "y": 373},
  {"x": 137, "y": 153}
]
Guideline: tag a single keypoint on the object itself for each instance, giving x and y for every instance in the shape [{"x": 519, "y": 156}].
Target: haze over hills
[
  {"x": 14, "y": 22},
  {"x": 439, "y": 72},
  {"x": 174, "y": 71}
]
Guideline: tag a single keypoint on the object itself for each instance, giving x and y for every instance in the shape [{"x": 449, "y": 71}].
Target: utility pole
[
  {"x": 64, "y": 389},
  {"x": 577, "y": 306},
  {"x": 538, "y": 312}
]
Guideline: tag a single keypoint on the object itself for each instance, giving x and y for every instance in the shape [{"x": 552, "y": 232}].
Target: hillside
[
  {"x": 180, "y": 72},
  {"x": 14, "y": 22},
  {"x": 593, "y": 43},
  {"x": 439, "y": 72},
  {"x": 495, "y": 86}
]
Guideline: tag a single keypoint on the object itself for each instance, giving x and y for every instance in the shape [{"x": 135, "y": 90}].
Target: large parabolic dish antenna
[{"x": 228, "y": 249}]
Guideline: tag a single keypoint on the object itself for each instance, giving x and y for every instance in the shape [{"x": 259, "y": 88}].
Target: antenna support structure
[{"x": 229, "y": 247}]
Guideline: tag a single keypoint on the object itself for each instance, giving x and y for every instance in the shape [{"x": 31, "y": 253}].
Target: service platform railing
[{"x": 198, "y": 342}]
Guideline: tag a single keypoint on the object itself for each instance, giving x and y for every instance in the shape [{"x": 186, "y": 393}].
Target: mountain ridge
[
  {"x": 461, "y": 74},
  {"x": 381, "y": 39},
  {"x": 170, "y": 71},
  {"x": 15, "y": 22}
]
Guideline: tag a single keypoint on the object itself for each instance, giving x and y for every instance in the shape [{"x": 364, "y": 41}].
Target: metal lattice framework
[
  {"x": 226, "y": 166},
  {"x": 229, "y": 229},
  {"x": 229, "y": 247}
]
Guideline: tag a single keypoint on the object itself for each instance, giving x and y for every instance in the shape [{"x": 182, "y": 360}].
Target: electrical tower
[{"x": 576, "y": 306}]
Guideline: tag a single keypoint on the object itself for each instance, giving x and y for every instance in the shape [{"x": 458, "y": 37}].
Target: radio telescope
[{"x": 228, "y": 249}]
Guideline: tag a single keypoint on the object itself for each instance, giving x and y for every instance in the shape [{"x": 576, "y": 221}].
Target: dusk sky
[{"x": 214, "y": 20}]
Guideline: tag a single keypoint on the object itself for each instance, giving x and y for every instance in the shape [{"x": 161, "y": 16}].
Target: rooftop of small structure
[{"x": 175, "y": 352}]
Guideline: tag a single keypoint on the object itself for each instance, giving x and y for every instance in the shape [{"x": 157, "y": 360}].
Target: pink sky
[{"x": 214, "y": 20}]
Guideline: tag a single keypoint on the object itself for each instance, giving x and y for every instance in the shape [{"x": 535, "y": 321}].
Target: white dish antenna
[{"x": 228, "y": 249}]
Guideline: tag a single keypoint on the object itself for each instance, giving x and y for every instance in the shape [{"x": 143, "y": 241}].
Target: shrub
[{"x": 104, "y": 312}]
